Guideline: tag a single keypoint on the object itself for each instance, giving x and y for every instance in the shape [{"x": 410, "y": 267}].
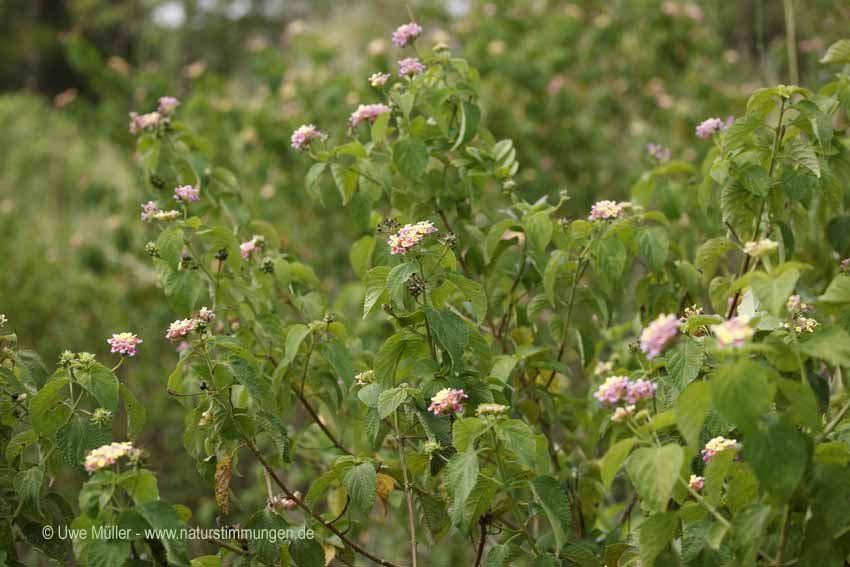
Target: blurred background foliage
[{"x": 581, "y": 87}]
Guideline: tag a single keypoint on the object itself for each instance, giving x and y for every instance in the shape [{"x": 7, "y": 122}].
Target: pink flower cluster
[
  {"x": 187, "y": 194},
  {"x": 447, "y": 400},
  {"x": 305, "y": 134},
  {"x": 150, "y": 211},
  {"x": 711, "y": 126},
  {"x": 248, "y": 247},
  {"x": 206, "y": 315},
  {"x": 618, "y": 389},
  {"x": 696, "y": 483},
  {"x": 379, "y": 79},
  {"x": 141, "y": 122},
  {"x": 410, "y": 66},
  {"x": 108, "y": 455},
  {"x": 124, "y": 343},
  {"x": 367, "y": 113},
  {"x": 409, "y": 236},
  {"x": 180, "y": 328},
  {"x": 167, "y": 105},
  {"x": 717, "y": 445},
  {"x": 607, "y": 210},
  {"x": 659, "y": 152},
  {"x": 659, "y": 334},
  {"x": 845, "y": 265},
  {"x": 734, "y": 332},
  {"x": 406, "y": 34}
]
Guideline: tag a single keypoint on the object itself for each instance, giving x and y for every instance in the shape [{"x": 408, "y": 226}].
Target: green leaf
[
  {"x": 461, "y": 474},
  {"x": 754, "y": 178},
  {"x": 45, "y": 412},
  {"x": 518, "y": 438},
  {"x": 831, "y": 344},
  {"x": 257, "y": 384},
  {"x": 136, "y": 414},
  {"x": 379, "y": 128},
  {"x": 376, "y": 288},
  {"x": 684, "y": 361},
  {"x": 77, "y": 437},
  {"x": 100, "y": 382},
  {"x": 691, "y": 409},
  {"x": 275, "y": 427},
  {"x": 838, "y": 291},
  {"x": 654, "y": 471},
  {"x": 800, "y": 152},
  {"x": 170, "y": 244},
  {"x": 502, "y": 555},
  {"x": 653, "y": 247},
  {"x": 410, "y": 156},
  {"x": 464, "y": 433},
  {"x": 613, "y": 460},
  {"x": 140, "y": 485},
  {"x": 389, "y": 400},
  {"x": 555, "y": 504},
  {"x": 397, "y": 278},
  {"x": 28, "y": 487},
  {"x": 311, "y": 180},
  {"x": 361, "y": 482},
  {"x": 183, "y": 289},
  {"x": 307, "y": 553},
  {"x": 346, "y": 181},
  {"x": 450, "y": 332},
  {"x": 802, "y": 405},
  {"x": 18, "y": 443},
  {"x": 743, "y": 392},
  {"x": 361, "y": 254},
  {"x": 557, "y": 261},
  {"x": 838, "y": 52},
  {"x": 102, "y": 552},
  {"x": 162, "y": 516},
  {"x": 473, "y": 291},
  {"x": 266, "y": 547},
  {"x": 779, "y": 455},
  {"x": 538, "y": 230},
  {"x": 294, "y": 338},
  {"x": 654, "y": 535},
  {"x": 772, "y": 290}
]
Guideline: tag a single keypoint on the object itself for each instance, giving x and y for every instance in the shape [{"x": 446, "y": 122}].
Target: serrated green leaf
[
  {"x": 653, "y": 472},
  {"x": 555, "y": 504}
]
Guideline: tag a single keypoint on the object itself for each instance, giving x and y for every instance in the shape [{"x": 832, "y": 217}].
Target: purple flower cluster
[
  {"x": 379, "y": 79},
  {"x": 124, "y": 343},
  {"x": 167, "y": 105},
  {"x": 409, "y": 236},
  {"x": 447, "y": 400},
  {"x": 187, "y": 194},
  {"x": 406, "y": 34},
  {"x": 659, "y": 334},
  {"x": 305, "y": 134},
  {"x": 659, "y": 152},
  {"x": 410, "y": 66},
  {"x": 711, "y": 126},
  {"x": 618, "y": 389},
  {"x": 367, "y": 113}
]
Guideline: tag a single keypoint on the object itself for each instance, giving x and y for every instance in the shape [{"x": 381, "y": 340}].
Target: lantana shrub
[{"x": 660, "y": 382}]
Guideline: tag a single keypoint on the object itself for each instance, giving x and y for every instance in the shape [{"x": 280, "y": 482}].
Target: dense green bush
[{"x": 659, "y": 382}]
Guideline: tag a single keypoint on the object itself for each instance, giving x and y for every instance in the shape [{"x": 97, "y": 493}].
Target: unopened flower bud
[
  {"x": 221, "y": 255},
  {"x": 152, "y": 250},
  {"x": 268, "y": 265},
  {"x": 101, "y": 417},
  {"x": 415, "y": 285}
]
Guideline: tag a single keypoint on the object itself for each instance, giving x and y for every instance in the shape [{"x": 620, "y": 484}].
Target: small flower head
[
  {"x": 206, "y": 315},
  {"x": 124, "y": 343},
  {"x": 108, "y": 455},
  {"x": 367, "y": 113},
  {"x": 180, "y": 328},
  {"x": 3, "y": 320},
  {"x": 430, "y": 447},
  {"x": 606, "y": 210},
  {"x": 640, "y": 390},
  {"x": 410, "y": 66},
  {"x": 733, "y": 332},
  {"x": 305, "y": 134},
  {"x": 802, "y": 325},
  {"x": 696, "y": 483},
  {"x": 603, "y": 368},
  {"x": 447, "y": 400},
  {"x": 248, "y": 248},
  {"x": 621, "y": 414},
  {"x": 406, "y": 34},
  {"x": 490, "y": 409},
  {"x": 142, "y": 122},
  {"x": 167, "y": 105},
  {"x": 409, "y": 236},
  {"x": 614, "y": 389},
  {"x": 763, "y": 247},
  {"x": 379, "y": 79},
  {"x": 717, "y": 445},
  {"x": 692, "y": 311},
  {"x": 710, "y": 126},
  {"x": 187, "y": 194},
  {"x": 658, "y": 335},
  {"x": 658, "y": 152},
  {"x": 101, "y": 417},
  {"x": 365, "y": 378},
  {"x": 149, "y": 211},
  {"x": 845, "y": 265}
]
